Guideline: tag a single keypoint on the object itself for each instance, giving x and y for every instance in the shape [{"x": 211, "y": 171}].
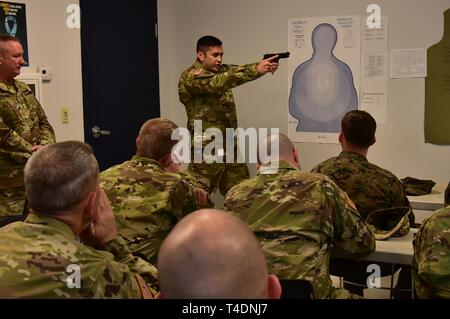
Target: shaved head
[
  {"x": 269, "y": 146},
  {"x": 212, "y": 254}
]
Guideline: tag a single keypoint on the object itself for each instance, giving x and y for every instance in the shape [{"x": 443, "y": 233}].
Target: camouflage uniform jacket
[
  {"x": 208, "y": 96},
  {"x": 35, "y": 255},
  {"x": 148, "y": 202},
  {"x": 369, "y": 186},
  {"x": 431, "y": 261},
  {"x": 300, "y": 218},
  {"x": 22, "y": 124}
]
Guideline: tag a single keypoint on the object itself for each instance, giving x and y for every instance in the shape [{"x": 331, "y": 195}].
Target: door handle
[{"x": 97, "y": 132}]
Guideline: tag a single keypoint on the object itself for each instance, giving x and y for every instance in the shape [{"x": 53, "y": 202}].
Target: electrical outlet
[{"x": 64, "y": 115}]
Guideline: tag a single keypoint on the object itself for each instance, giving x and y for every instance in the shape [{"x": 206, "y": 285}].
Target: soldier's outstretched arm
[
  {"x": 268, "y": 65},
  {"x": 198, "y": 81}
]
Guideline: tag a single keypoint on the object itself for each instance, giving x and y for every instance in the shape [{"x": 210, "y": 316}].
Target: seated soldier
[
  {"x": 43, "y": 257},
  {"x": 370, "y": 187},
  {"x": 300, "y": 218},
  {"x": 147, "y": 197},
  {"x": 431, "y": 261},
  {"x": 212, "y": 254}
]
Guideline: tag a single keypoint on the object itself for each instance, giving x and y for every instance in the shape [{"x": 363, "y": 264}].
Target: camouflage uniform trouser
[
  {"x": 12, "y": 201},
  {"x": 218, "y": 175}
]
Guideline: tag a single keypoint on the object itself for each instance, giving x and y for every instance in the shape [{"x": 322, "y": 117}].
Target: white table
[
  {"x": 395, "y": 250},
  {"x": 423, "y": 206}
]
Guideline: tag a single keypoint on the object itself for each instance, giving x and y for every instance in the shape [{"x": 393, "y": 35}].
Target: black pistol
[{"x": 283, "y": 55}]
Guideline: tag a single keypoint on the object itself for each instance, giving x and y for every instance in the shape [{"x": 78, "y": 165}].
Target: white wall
[
  {"x": 249, "y": 28},
  {"x": 52, "y": 43}
]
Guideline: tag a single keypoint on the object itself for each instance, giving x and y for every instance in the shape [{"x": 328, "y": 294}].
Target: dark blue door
[{"x": 120, "y": 74}]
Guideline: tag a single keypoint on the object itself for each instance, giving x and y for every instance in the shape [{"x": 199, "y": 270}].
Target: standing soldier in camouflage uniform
[
  {"x": 43, "y": 256},
  {"x": 431, "y": 261},
  {"x": 147, "y": 199},
  {"x": 300, "y": 218},
  {"x": 24, "y": 128},
  {"x": 205, "y": 90},
  {"x": 369, "y": 186}
]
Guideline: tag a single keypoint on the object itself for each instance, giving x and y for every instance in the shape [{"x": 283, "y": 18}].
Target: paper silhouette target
[{"x": 322, "y": 87}]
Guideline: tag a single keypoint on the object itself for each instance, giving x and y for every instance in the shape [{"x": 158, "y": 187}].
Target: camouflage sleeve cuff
[
  {"x": 119, "y": 248},
  {"x": 254, "y": 70}
]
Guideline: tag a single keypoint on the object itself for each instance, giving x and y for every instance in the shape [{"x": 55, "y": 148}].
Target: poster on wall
[
  {"x": 13, "y": 21},
  {"x": 373, "y": 95},
  {"x": 324, "y": 72}
]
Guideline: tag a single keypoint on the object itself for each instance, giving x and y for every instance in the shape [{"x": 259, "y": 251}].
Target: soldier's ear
[
  {"x": 166, "y": 160},
  {"x": 341, "y": 137},
  {"x": 374, "y": 140},
  {"x": 138, "y": 141},
  {"x": 295, "y": 156},
  {"x": 200, "y": 56},
  {"x": 92, "y": 203},
  {"x": 273, "y": 287}
]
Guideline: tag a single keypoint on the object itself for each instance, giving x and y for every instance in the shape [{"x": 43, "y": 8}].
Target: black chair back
[{"x": 296, "y": 289}]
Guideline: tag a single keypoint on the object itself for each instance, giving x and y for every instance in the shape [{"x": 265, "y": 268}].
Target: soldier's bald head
[
  {"x": 154, "y": 140},
  {"x": 275, "y": 147},
  {"x": 212, "y": 254}
]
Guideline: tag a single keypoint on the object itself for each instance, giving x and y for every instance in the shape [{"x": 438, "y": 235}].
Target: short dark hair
[
  {"x": 359, "y": 128},
  {"x": 207, "y": 41},
  {"x": 60, "y": 176}
]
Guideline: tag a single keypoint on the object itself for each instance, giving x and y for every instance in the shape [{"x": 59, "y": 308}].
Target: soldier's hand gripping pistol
[{"x": 283, "y": 55}]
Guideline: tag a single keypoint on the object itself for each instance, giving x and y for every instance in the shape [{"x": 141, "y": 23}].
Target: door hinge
[{"x": 156, "y": 30}]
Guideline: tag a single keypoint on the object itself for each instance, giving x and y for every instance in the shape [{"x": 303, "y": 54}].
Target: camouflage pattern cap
[
  {"x": 389, "y": 222},
  {"x": 417, "y": 187}
]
